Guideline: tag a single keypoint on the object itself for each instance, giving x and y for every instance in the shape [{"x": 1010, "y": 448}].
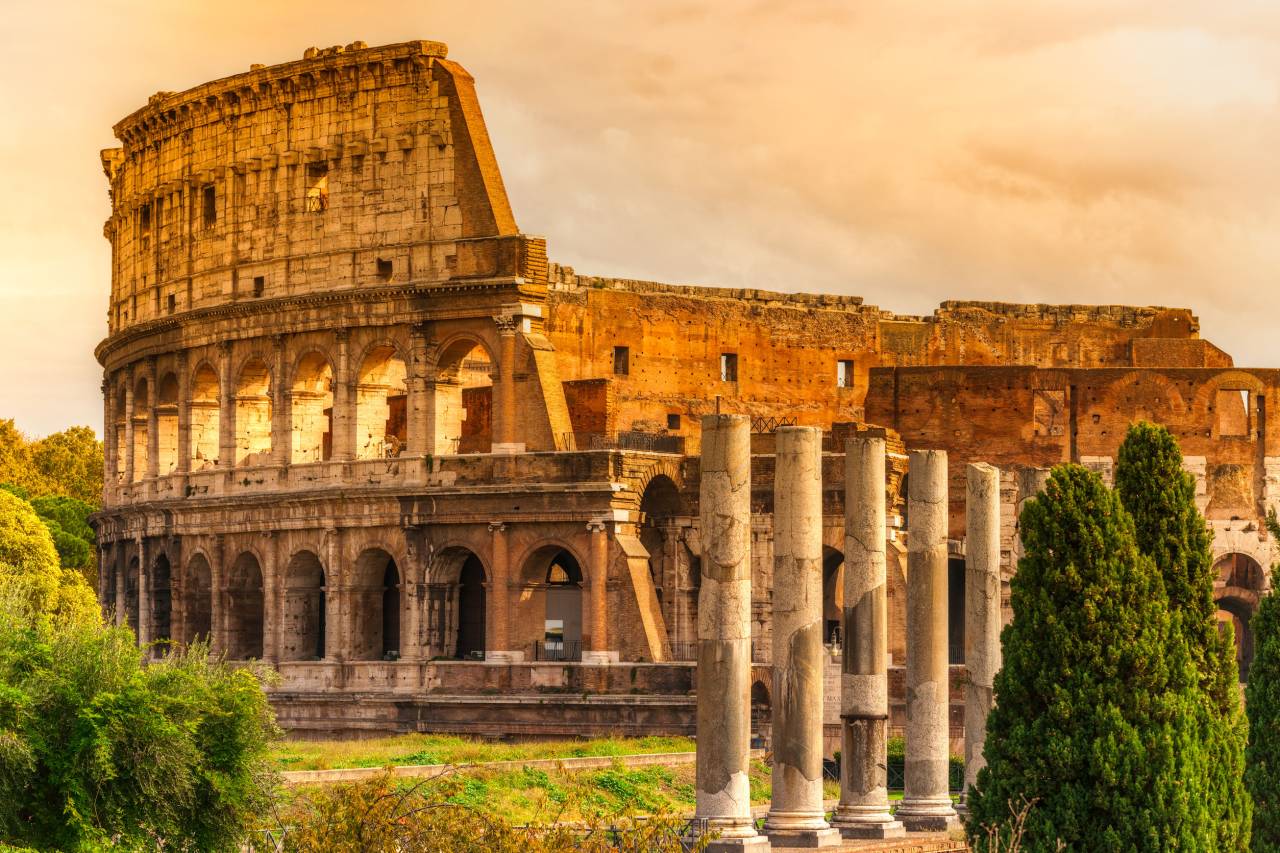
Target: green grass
[{"x": 446, "y": 749}]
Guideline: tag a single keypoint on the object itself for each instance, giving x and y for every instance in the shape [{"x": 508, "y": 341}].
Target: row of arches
[{"x": 377, "y": 402}]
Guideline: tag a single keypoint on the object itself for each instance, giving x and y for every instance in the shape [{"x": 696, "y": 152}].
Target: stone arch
[
  {"x": 761, "y": 714},
  {"x": 197, "y": 599},
  {"x": 142, "y": 388},
  {"x": 160, "y": 590},
  {"x": 1239, "y": 584},
  {"x": 244, "y": 602},
  {"x": 552, "y": 576},
  {"x": 456, "y": 601},
  {"x": 167, "y": 424},
  {"x": 832, "y": 593},
  {"x": 660, "y": 504},
  {"x": 304, "y": 615},
  {"x": 381, "y": 398},
  {"x": 1229, "y": 403},
  {"x": 462, "y": 371},
  {"x": 311, "y": 408},
  {"x": 375, "y": 605},
  {"x": 206, "y": 405},
  {"x": 1166, "y": 409},
  {"x": 253, "y": 412}
]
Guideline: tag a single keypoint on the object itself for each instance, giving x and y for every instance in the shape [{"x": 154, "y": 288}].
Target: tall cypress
[
  {"x": 1262, "y": 758},
  {"x": 1160, "y": 496},
  {"x": 1091, "y": 708}
]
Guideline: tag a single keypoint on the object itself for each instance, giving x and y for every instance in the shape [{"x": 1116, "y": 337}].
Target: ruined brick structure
[{"x": 357, "y": 426}]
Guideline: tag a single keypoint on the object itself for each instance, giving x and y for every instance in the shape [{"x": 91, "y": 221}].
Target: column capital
[
  {"x": 506, "y": 323},
  {"x": 497, "y": 526},
  {"x": 597, "y": 525}
]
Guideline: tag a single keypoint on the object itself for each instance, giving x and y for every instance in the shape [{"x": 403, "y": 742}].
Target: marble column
[
  {"x": 598, "y": 571},
  {"x": 796, "y": 814},
  {"x": 863, "y": 811},
  {"x": 981, "y": 611},
  {"x": 926, "y": 802},
  {"x": 724, "y": 635},
  {"x": 498, "y": 644}
]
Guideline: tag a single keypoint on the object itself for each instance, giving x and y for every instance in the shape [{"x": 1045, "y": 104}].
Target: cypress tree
[
  {"x": 1262, "y": 759},
  {"x": 1160, "y": 496},
  {"x": 1092, "y": 711}
]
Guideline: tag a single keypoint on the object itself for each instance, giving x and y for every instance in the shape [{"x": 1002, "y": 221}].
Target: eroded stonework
[{"x": 357, "y": 426}]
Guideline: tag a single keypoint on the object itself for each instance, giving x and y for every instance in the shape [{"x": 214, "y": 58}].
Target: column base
[
  {"x": 928, "y": 815},
  {"x": 882, "y": 830},
  {"x": 754, "y": 844},
  {"x": 599, "y": 658},
  {"x": 827, "y": 837},
  {"x": 503, "y": 657}
]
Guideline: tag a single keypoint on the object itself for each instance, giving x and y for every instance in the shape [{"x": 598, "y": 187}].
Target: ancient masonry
[{"x": 359, "y": 428}]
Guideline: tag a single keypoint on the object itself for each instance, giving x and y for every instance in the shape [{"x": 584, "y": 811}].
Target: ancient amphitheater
[{"x": 358, "y": 427}]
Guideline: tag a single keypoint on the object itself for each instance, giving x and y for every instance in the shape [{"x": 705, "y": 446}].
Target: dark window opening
[
  {"x": 673, "y": 422},
  {"x": 173, "y": 303},
  {"x": 144, "y": 217},
  {"x": 729, "y": 367},
  {"x": 384, "y": 269},
  {"x": 844, "y": 373},
  {"x": 621, "y": 361},
  {"x": 317, "y": 187},
  {"x": 209, "y": 203},
  {"x": 259, "y": 285}
]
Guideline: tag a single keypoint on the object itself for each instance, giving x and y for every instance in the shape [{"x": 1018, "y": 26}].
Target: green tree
[
  {"x": 29, "y": 565},
  {"x": 1262, "y": 758},
  {"x": 1160, "y": 496},
  {"x": 98, "y": 750},
  {"x": 68, "y": 522},
  {"x": 64, "y": 463},
  {"x": 1092, "y": 706}
]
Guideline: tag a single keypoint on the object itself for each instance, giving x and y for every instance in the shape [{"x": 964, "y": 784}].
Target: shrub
[{"x": 1262, "y": 758}]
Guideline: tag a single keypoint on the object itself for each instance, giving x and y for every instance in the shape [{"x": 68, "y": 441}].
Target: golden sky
[{"x": 908, "y": 152}]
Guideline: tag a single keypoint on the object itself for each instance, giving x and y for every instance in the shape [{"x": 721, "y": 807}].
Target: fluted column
[
  {"x": 598, "y": 572},
  {"x": 863, "y": 811},
  {"x": 724, "y": 635},
  {"x": 926, "y": 802},
  {"x": 796, "y": 814},
  {"x": 981, "y": 612}
]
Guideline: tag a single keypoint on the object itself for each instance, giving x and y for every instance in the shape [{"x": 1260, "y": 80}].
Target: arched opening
[
  {"x": 244, "y": 601},
  {"x": 304, "y": 609},
  {"x": 381, "y": 405},
  {"x": 197, "y": 599},
  {"x": 955, "y": 609},
  {"x": 555, "y": 577},
  {"x": 1236, "y": 592},
  {"x": 119, "y": 426},
  {"x": 464, "y": 399},
  {"x": 311, "y": 405},
  {"x": 205, "y": 427},
  {"x": 161, "y": 592},
  {"x": 375, "y": 607},
  {"x": 253, "y": 414},
  {"x": 167, "y": 425},
  {"x": 832, "y": 594},
  {"x": 455, "y": 610},
  {"x": 761, "y": 716},
  {"x": 141, "y": 412},
  {"x": 659, "y": 506},
  {"x": 131, "y": 593}
]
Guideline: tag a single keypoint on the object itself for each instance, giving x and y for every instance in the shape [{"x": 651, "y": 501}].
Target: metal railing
[
  {"x": 687, "y": 652},
  {"x": 650, "y": 442},
  {"x": 544, "y": 651}
]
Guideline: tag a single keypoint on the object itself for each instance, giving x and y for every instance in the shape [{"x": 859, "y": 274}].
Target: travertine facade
[{"x": 357, "y": 426}]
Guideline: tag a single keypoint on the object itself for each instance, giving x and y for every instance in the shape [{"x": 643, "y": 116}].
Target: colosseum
[{"x": 359, "y": 428}]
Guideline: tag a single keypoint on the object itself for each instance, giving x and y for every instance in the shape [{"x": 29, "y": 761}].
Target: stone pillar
[
  {"x": 122, "y": 583},
  {"x": 598, "y": 572},
  {"x": 796, "y": 814},
  {"x": 270, "y": 602},
  {"x": 926, "y": 802},
  {"x": 981, "y": 612},
  {"x": 863, "y": 811},
  {"x": 343, "y": 438},
  {"x": 217, "y": 604},
  {"x": 724, "y": 635},
  {"x": 184, "y": 415},
  {"x": 226, "y": 409},
  {"x": 334, "y": 642},
  {"x": 108, "y": 443},
  {"x": 497, "y": 647},
  {"x": 144, "y": 594},
  {"x": 281, "y": 410},
  {"x": 128, "y": 426},
  {"x": 417, "y": 437},
  {"x": 413, "y": 647},
  {"x": 153, "y": 421},
  {"x": 504, "y": 391}
]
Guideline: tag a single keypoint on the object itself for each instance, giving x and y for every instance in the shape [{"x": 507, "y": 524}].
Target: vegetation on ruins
[
  {"x": 439, "y": 815},
  {"x": 1262, "y": 758},
  {"x": 97, "y": 749},
  {"x": 1094, "y": 718},
  {"x": 1160, "y": 496}
]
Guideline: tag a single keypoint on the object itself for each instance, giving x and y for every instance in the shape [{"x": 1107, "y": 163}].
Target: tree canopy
[
  {"x": 65, "y": 463},
  {"x": 1262, "y": 758}
]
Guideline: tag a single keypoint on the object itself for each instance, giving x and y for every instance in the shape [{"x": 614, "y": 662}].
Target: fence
[
  {"x": 649, "y": 442},
  {"x": 684, "y": 652},
  {"x": 544, "y": 651}
]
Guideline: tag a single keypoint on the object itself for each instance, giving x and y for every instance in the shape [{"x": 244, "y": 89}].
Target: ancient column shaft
[
  {"x": 724, "y": 633},
  {"x": 121, "y": 583},
  {"x": 926, "y": 802},
  {"x": 498, "y": 646},
  {"x": 598, "y": 571},
  {"x": 144, "y": 595},
  {"x": 796, "y": 813},
  {"x": 504, "y": 399},
  {"x": 981, "y": 611},
  {"x": 863, "y": 811},
  {"x": 226, "y": 410}
]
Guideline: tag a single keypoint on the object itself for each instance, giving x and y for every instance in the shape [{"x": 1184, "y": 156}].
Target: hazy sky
[{"x": 909, "y": 152}]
